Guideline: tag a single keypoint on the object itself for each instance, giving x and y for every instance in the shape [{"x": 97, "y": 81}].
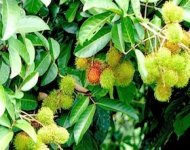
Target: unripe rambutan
[
  {"x": 124, "y": 73},
  {"x": 93, "y": 75},
  {"x": 67, "y": 85},
  {"x": 81, "y": 63},
  {"x": 113, "y": 57},
  {"x": 163, "y": 56},
  {"x": 162, "y": 92},
  {"x": 53, "y": 134},
  {"x": 107, "y": 78},
  {"x": 173, "y": 47},
  {"x": 23, "y": 142},
  {"x": 66, "y": 101},
  {"x": 172, "y": 13},
  {"x": 186, "y": 38},
  {"x": 183, "y": 79},
  {"x": 41, "y": 146},
  {"x": 174, "y": 33},
  {"x": 177, "y": 63},
  {"x": 169, "y": 77},
  {"x": 45, "y": 116}
]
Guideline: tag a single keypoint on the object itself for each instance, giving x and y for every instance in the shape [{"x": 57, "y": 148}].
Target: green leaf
[
  {"x": 97, "y": 43},
  {"x": 62, "y": 2},
  {"x": 123, "y": 4},
  {"x": 187, "y": 14},
  {"x": 26, "y": 127},
  {"x": 84, "y": 123},
  {"x": 6, "y": 136},
  {"x": 50, "y": 75},
  {"x": 151, "y": 1},
  {"x": 43, "y": 40},
  {"x": 11, "y": 13},
  {"x": 136, "y": 8},
  {"x": 28, "y": 102},
  {"x": 101, "y": 4},
  {"x": 33, "y": 6},
  {"x": 30, "y": 81},
  {"x": 4, "y": 121},
  {"x": 71, "y": 12},
  {"x": 116, "y": 105},
  {"x": 54, "y": 48},
  {"x": 46, "y": 2},
  {"x": 128, "y": 31},
  {"x": 4, "y": 72},
  {"x": 10, "y": 107},
  {"x": 15, "y": 61},
  {"x": 43, "y": 62},
  {"x": 141, "y": 64},
  {"x": 78, "y": 109},
  {"x": 28, "y": 24},
  {"x": 117, "y": 37},
  {"x": 2, "y": 100},
  {"x": 31, "y": 51},
  {"x": 92, "y": 25}
]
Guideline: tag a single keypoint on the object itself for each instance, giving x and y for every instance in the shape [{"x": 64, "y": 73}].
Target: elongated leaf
[
  {"x": 30, "y": 24},
  {"x": 84, "y": 123},
  {"x": 128, "y": 31},
  {"x": 33, "y": 6},
  {"x": 46, "y": 2},
  {"x": 136, "y": 8},
  {"x": 117, "y": 37},
  {"x": 4, "y": 72},
  {"x": 4, "y": 121},
  {"x": 98, "y": 42},
  {"x": 153, "y": 1},
  {"x": 31, "y": 51},
  {"x": 30, "y": 81},
  {"x": 116, "y": 105},
  {"x": 54, "y": 48},
  {"x": 123, "y": 4},
  {"x": 78, "y": 109},
  {"x": 43, "y": 40},
  {"x": 141, "y": 64},
  {"x": 6, "y": 136},
  {"x": 187, "y": 14},
  {"x": 11, "y": 13},
  {"x": 102, "y": 4},
  {"x": 15, "y": 61},
  {"x": 50, "y": 75},
  {"x": 28, "y": 102},
  {"x": 26, "y": 127},
  {"x": 2, "y": 100},
  {"x": 71, "y": 12},
  {"x": 92, "y": 25}
]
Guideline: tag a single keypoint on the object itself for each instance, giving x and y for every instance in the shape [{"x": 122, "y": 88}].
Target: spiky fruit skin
[
  {"x": 53, "y": 134},
  {"x": 66, "y": 101},
  {"x": 163, "y": 56},
  {"x": 177, "y": 63},
  {"x": 45, "y": 116},
  {"x": 162, "y": 92},
  {"x": 93, "y": 75},
  {"x": 174, "y": 33},
  {"x": 124, "y": 73},
  {"x": 183, "y": 80},
  {"x": 81, "y": 63},
  {"x": 113, "y": 57},
  {"x": 23, "y": 142},
  {"x": 173, "y": 47},
  {"x": 41, "y": 146},
  {"x": 67, "y": 85},
  {"x": 169, "y": 77},
  {"x": 107, "y": 79},
  {"x": 172, "y": 13},
  {"x": 186, "y": 37}
]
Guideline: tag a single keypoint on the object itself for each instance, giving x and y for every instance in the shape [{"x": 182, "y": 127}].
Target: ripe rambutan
[
  {"x": 113, "y": 57},
  {"x": 93, "y": 75},
  {"x": 107, "y": 78},
  {"x": 81, "y": 63},
  {"x": 67, "y": 85}
]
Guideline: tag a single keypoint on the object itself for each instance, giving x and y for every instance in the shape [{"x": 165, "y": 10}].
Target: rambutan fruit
[
  {"x": 174, "y": 33},
  {"x": 169, "y": 77},
  {"x": 107, "y": 78},
  {"x": 113, "y": 57},
  {"x": 172, "y": 13},
  {"x": 177, "y": 63},
  {"x": 45, "y": 116},
  {"x": 66, "y": 101},
  {"x": 162, "y": 92},
  {"x": 173, "y": 47},
  {"x": 183, "y": 79},
  {"x": 81, "y": 63},
  {"x": 124, "y": 73},
  {"x": 163, "y": 56},
  {"x": 67, "y": 85},
  {"x": 186, "y": 38},
  {"x": 93, "y": 75},
  {"x": 41, "y": 146}
]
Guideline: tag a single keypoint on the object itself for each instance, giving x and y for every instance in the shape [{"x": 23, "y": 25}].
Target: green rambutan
[
  {"x": 172, "y": 13},
  {"x": 177, "y": 63},
  {"x": 41, "y": 146},
  {"x": 45, "y": 116},
  {"x": 183, "y": 79},
  {"x": 113, "y": 57},
  {"x": 67, "y": 85},
  {"x": 169, "y": 77},
  {"x": 173, "y": 47},
  {"x": 124, "y": 73},
  {"x": 81, "y": 63},
  {"x": 186, "y": 37},
  {"x": 174, "y": 33},
  {"x": 66, "y": 101},
  {"x": 107, "y": 78},
  {"x": 163, "y": 56}
]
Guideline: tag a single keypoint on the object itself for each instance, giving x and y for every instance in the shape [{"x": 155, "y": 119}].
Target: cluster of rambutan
[
  {"x": 169, "y": 66},
  {"x": 114, "y": 71}
]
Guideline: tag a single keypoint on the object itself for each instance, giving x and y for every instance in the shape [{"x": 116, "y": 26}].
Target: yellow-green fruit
[
  {"x": 174, "y": 33},
  {"x": 187, "y": 68},
  {"x": 45, "y": 116},
  {"x": 113, "y": 57},
  {"x": 183, "y": 79},
  {"x": 41, "y": 146},
  {"x": 163, "y": 56},
  {"x": 66, "y": 101},
  {"x": 172, "y": 13},
  {"x": 81, "y": 63},
  {"x": 173, "y": 47},
  {"x": 186, "y": 38},
  {"x": 177, "y": 63},
  {"x": 67, "y": 85},
  {"x": 124, "y": 73},
  {"x": 53, "y": 134},
  {"x": 169, "y": 77},
  {"x": 107, "y": 78},
  {"x": 23, "y": 142},
  {"x": 162, "y": 92}
]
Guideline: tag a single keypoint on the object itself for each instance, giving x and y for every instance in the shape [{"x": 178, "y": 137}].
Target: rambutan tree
[{"x": 94, "y": 74}]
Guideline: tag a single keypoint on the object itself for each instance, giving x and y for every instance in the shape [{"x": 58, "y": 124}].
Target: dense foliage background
[{"x": 39, "y": 42}]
